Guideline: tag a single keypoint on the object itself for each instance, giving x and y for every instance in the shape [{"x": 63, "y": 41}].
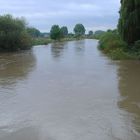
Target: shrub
[
  {"x": 13, "y": 35},
  {"x": 111, "y": 41}
]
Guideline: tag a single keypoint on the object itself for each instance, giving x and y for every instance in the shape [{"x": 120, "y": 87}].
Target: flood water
[{"x": 68, "y": 91}]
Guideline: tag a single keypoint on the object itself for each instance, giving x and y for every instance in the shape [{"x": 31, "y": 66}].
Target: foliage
[
  {"x": 79, "y": 30},
  {"x": 129, "y": 22},
  {"x": 55, "y": 32},
  {"x": 90, "y": 34},
  {"x": 64, "y": 31},
  {"x": 33, "y": 32},
  {"x": 70, "y": 35},
  {"x": 137, "y": 45},
  {"x": 41, "y": 41},
  {"x": 112, "y": 45},
  {"x": 13, "y": 34},
  {"x": 98, "y": 34},
  {"x": 110, "y": 41}
]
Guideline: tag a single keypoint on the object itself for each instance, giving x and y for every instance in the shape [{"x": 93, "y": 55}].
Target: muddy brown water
[{"x": 68, "y": 91}]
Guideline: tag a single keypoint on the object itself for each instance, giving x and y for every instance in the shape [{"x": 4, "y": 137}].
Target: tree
[
  {"x": 79, "y": 30},
  {"x": 90, "y": 33},
  {"x": 33, "y": 32},
  {"x": 55, "y": 32},
  {"x": 129, "y": 22},
  {"x": 13, "y": 34},
  {"x": 64, "y": 31}
]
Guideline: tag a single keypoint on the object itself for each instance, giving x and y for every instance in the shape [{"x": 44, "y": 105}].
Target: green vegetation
[
  {"x": 129, "y": 22},
  {"x": 16, "y": 35},
  {"x": 124, "y": 43},
  {"x": 112, "y": 45},
  {"x": 98, "y": 34},
  {"x": 79, "y": 30},
  {"x": 13, "y": 34},
  {"x": 90, "y": 34},
  {"x": 33, "y": 32},
  {"x": 61, "y": 34},
  {"x": 41, "y": 41},
  {"x": 55, "y": 32},
  {"x": 64, "y": 31},
  {"x": 58, "y": 33}
]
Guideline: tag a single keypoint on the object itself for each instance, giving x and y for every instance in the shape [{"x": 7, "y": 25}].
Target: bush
[
  {"x": 136, "y": 46},
  {"x": 13, "y": 35},
  {"x": 111, "y": 41}
]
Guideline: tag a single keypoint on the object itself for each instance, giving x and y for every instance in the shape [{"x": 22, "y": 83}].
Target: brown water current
[{"x": 68, "y": 91}]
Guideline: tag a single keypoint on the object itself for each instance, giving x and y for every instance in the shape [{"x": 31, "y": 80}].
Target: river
[{"x": 68, "y": 91}]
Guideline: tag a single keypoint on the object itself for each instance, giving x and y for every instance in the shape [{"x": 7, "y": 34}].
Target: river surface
[{"x": 68, "y": 91}]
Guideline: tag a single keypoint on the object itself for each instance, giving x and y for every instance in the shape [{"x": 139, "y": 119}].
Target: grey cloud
[{"x": 94, "y": 14}]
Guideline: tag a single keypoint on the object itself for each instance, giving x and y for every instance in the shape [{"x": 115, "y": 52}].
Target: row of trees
[
  {"x": 16, "y": 35},
  {"x": 57, "y": 33}
]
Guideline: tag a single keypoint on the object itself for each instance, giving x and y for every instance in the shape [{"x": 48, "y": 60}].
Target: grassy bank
[
  {"x": 45, "y": 41},
  {"x": 41, "y": 41},
  {"x": 112, "y": 45}
]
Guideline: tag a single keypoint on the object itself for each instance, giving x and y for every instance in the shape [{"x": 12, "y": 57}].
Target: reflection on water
[
  {"x": 129, "y": 85},
  {"x": 80, "y": 47},
  {"x": 14, "y": 69},
  {"x": 57, "y": 49},
  {"x": 15, "y": 66}
]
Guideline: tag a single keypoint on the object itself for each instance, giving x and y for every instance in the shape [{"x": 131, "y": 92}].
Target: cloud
[{"x": 42, "y": 14}]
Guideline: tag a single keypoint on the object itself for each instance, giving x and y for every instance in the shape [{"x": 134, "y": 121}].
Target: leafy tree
[
  {"x": 55, "y": 32},
  {"x": 90, "y": 33},
  {"x": 79, "y": 30},
  {"x": 129, "y": 22},
  {"x": 64, "y": 31},
  {"x": 33, "y": 32},
  {"x": 13, "y": 34}
]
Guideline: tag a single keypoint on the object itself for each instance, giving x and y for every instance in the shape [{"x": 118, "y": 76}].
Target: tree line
[
  {"x": 57, "y": 32},
  {"x": 15, "y": 34}
]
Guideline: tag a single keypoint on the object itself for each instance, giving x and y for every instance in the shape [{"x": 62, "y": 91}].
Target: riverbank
[
  {"x": 46, "y": 41},
  {"x": 112, "y": 45}
]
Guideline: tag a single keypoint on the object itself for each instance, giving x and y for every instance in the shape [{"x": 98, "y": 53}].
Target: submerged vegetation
[{"x": 124, "y": 42}]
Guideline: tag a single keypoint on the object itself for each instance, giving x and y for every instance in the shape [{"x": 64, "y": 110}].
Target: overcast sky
[{"x": 42, "y": 14}]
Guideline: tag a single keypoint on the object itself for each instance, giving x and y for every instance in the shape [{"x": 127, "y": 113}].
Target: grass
[{"x": 41, "y": 41}]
